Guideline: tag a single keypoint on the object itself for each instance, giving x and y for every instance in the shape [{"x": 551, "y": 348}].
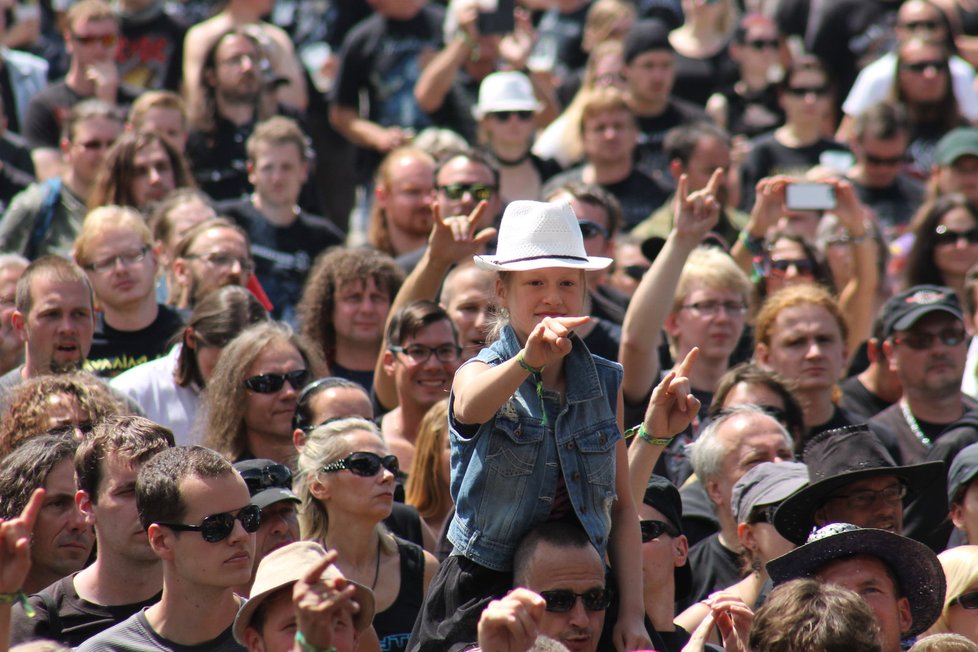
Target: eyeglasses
[
  {"x": 273, "y": 476},
  {"x": 940, "y": 65},
  {"x": 966, "y": 600},
  {"x": 456, "y": 191},
  {"x": 945, "y": 236},
  {"x": 224, "y": 261},
  {"x": 803, "y": 91},
  {"x": 866, "y": 499},
  {"x": 655, "y": 529},
  {"x": 364, "y": 464},
  {"x": 420, "y": 354},
  {"x": 802, "y": 265},
  {"x": 713, "y": 308},
  {"x": 105, "y": 40},
  {"x": 126, "y": 260},
  {"x": 94, "y": 145},
  {"x": 218, "y": 527},
  {"x": 920, "y": 340},
  {"x": 763, "y": 43},
  {"x": 591, "y": 229},
  {"x": 889, "y": 161},
  {"x": 914, "y": 25},
  {"x": 271, "y": 383},
  {"x": 763, "y": 514},
  {"x": 563, "y": 600},
  {"x": 503, "y": 116}
]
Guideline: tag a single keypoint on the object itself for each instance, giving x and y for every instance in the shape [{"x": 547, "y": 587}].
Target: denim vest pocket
[
  {"x": 514, "y": 448},
  {"x": 598, "y": 455}
]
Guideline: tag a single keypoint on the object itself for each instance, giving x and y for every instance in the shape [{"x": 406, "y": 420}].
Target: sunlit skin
[
  {"x": 268, "y": 417},
  {"x": 806, "y": 347},
  {"x": 59, "y": 327},
  {"x": 964, "y": 513},
  {"x": 153, "y": 176},
  {"x": 955, "y": 259}
]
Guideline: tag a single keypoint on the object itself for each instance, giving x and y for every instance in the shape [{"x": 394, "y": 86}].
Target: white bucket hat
[
  {"x": 505, "y": 91},
  {"x": 535, "y": 235}
]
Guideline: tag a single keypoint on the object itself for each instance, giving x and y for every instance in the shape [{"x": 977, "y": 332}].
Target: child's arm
[{"x": 480, "y": 390}]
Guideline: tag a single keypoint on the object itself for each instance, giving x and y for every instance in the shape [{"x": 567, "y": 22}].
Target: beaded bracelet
[
  {"x": 306, "y": 646},
  {"x": 644, "y": 435},
  {"x": 21, "y": 597}
]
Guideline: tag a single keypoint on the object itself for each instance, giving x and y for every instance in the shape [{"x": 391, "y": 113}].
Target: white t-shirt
[{"x": 875, "y": 83}]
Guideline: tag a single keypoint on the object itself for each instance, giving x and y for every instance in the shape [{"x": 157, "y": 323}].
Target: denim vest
[{"x": 504, "y": 477}]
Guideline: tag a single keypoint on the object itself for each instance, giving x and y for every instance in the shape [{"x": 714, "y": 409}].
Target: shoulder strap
[
  {"x": 54, "y": 619},
  {"x": 42, "y": 223}
]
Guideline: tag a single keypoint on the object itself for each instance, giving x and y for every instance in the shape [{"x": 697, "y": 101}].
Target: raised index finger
[
  {"x": 314, "y": 573},
  {"x": 687, "y": 363},
  {"x": 31, "y": 510},
  {"x": 714, "y": 184},
  {"x": 476, "y": 214}
]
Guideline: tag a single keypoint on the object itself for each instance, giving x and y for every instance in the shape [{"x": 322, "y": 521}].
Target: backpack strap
[{"x": 42, "y": 223}]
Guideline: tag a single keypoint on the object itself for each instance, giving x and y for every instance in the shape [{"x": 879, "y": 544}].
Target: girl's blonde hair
[{"x": 961, "y": 571}]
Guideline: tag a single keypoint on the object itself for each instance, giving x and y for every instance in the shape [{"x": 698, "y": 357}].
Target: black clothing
[
  {"x": 912, "y": 450},
  {"x": 604, "y": 340},
  {"x": 769, "y": 157},
  {"x": 753, "y": 113},
  {"x": 895, "y": 204},
  {"x": 609, "y": 304},
  {"x": 697, "y": 78},
  {"x": 652, "y": 130},
  {"x": 638, "y": 194},
  {"x": 858, "y": 401},
  {"x": 16, "y": 167},
  {"x": 405, "y": 522},
  {"x": 714, "y": 567},
  {"x": 393, "y": 625},
  {"x": 150, "y": 52},
  {"x": 49, "y": 109},
  {"x": 73, "y": 621},
  {"x": 114, "y": 351},
  {"x": 699, "y": 519},
  {"x": 363, "y": 378}
]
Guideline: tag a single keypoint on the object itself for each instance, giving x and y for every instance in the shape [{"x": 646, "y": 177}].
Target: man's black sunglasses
[
  {"x": 655, "y": 529},
  {"x": 364, "y": 463},
  {"x": 271, "y": 383},
  {"x": 218, "y": 527},
  {"x": 563, "y": 600}
]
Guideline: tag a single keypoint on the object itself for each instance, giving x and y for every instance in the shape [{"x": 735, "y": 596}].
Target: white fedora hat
[
  {"x": 505, "y": 91},
  {"x": 535, "y": 234}
]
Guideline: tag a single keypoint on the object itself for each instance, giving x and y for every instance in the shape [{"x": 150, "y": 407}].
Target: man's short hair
[
  {"x": 412, "y": 318},
  {"x": 559, "y": 534},
  {"x": 713, "y": 268},
  {"x": 89, "y": 10},
  {"x": 278, "y": 130},
  {"x": 805, "y": 614},
  {"x": 160, "y": 222},
  {"x": 681, "y": 142},
  {"x": 302, "y": 418},
  {"x": 27, "y": 467},
  {"x": 109, "y": 218},
  {"x": 792, "y": 296},
  {"x": 594, "y": 195},
  {"x": 883, "y": 121},
  {"x": 51, "y": 267},
  {"x": 158, "y": 498},
  {"x": 708, "y": 452},
  {"x": 89, "y": 109},
  {"x": 156, "y": 100},
  {"x": 134, "y": 439},
  {"x": 472, "y": 155},
  {"x": 604, "y": 100},
  {"x": 190, "y": 237}
]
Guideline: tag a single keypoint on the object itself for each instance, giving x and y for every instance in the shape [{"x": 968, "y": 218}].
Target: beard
[{"x": 66, "y": 366}]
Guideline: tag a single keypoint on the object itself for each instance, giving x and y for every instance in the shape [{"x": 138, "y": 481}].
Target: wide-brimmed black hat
[
  {"x": 916, "y": 567},
  {"x": 837, "y": 458}
]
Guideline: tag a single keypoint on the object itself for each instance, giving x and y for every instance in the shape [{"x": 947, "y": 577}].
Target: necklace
[
  {"x": 509, "y": 163},
  {"x": 914, "y": 426},
  {"x": 376, "y": 566}
]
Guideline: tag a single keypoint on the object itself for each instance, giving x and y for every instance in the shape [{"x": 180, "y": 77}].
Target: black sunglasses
[
  {"x": 803, "y": 265},
  {"x": 456, "y": 191},
  {"x": 563, "y": 600},
  {"x": 764, "y": 514},
  {"x": 635, "y": 271},
  {"x": 590, "y": 229},
  {"x": 655, "y": 529},
  {"x": 762, "y": 43},
  {"x": 966, "y": 600},
  {"x": 802, "y": 91},
  {"x": 272, "y": 476},
  {"x": 364, "y": 464},
  {"x": 922, "y": 66},
  {"x": 271, "y": 383},
  {"x": 914, "y": 25},
  {"x": 945, "y": 236},
  {"x": 872, "y": 159},
  {"x": 503, "y": 116},
  {"x": 218, "y": 527}
]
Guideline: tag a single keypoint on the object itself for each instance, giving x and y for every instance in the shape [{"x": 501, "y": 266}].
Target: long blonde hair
[
  {"x": 960, "y": 566},
  {"x": 426, "y": 489}
]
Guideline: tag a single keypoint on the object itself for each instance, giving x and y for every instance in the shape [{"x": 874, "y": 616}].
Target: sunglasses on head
[
  {"x": 273, "y": 476},
  {"x": 966, "y": 600},
  {"x": 922, "y": 66},
  {"x": 802, "y": 265},
  {"x": 591, "y": 229},
  {"x": 655, "y": 529},
  {"x": 946, "y": 236},
  {"x": 364, "y": 464},
  {"x": 456, "y": 191},
  {"x": 218, "y": 527},
  {"x": 503, "y": 116},
  {"x": 271, "y": 383},
  {"x": 563, "y": 600}
]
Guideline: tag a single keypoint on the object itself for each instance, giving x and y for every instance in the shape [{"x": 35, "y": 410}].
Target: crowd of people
[{"x": 442, "y": 325}]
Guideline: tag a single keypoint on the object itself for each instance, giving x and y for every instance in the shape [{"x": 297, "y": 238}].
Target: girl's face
[
  {"x": 964, "y": 621},
  {"x": 806, "y": 97},
  {"x": 514, "y": 128},
  {"x": 344, "y": 490},
  {"x": 956, "y": 253},
  {"x": 788, "y": 266},
  {"x": 534, "y": 294}
]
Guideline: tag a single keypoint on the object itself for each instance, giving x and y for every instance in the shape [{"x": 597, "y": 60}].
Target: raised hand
[
  {"x": 849, "y": 209},
  {"x": 696, "y": 214},
  {"x": 453, "y": 238},
  {"x": 512, "y": 623},
  {"x": 15, "y": 545},
  {"x": 672, "y": 406},
  {"x": 549, "y": 341},
  {"x": 316, "y": 601},
  {"x": 768, "y": 204}
]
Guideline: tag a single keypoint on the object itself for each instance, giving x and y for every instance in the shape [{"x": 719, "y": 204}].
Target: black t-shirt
[
  {"x": 49, "y": 108},
  {"x": 604, "y": 340},
  {"x": 769, "y": 157},
  {"x": 363, "y": 378},
  {"x": 73, "y": 621},
  {"x": 638, "y": 194},
  {"x": 114, "y": 351},
  {"x": 652, "y": 129},
  {"x": 858, "y": 401},
  {"x": 753, "y": 113},
  {"x": 714, "y": 567},
  {"x": 561, "y": 33},
  {"x": 394, "y": 624},
  {"x": 697, "y": 78},
  {"x": 895, "y": 204},
  {"x": 9, "y": 100},
  {"x": 150, "y": 53},
  {"x": 283, "y": 254}
]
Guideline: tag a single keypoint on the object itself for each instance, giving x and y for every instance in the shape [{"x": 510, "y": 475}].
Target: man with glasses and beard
[
  {"x": 212, "y": 254},
  {"x": 200, "y": 522}
]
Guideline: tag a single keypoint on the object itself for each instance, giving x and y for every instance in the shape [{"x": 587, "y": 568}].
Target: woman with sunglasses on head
[
  {"x": 505, "y": 113},
  {"x": 945, "y": 243},
  {"x": 347, "y": 491},
  {"x": 960, "y": 613},
  {"x": 251, "y": 396}
]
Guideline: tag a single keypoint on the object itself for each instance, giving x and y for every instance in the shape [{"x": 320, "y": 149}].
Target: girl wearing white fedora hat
[{"x": 535, "y": 435}]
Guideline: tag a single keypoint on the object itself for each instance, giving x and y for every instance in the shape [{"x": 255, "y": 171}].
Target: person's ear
[
  {"x": 670, "y": 326},
  {"x": 888, "y": 352},
  {"x": 250, "y": 167},
  {"x": 676, "y": 168},
  {"x": 253, "y": 640},
  {"x": 746, "y": 536},
  {"x": 389, "y": 362},
  {"x": 299, "y": 439},
  {"x": 905, "y": 618},
  {"x": 820, "y": 517},
  {"x": 680, "y": 550},
  {"x": 181, "y": 273},
  {"x": 713, "y": 491},
  {"x": 161, "y": 540},
  {"x": 318, "y": 489},
  {"x": 873, "y": 350},
  {"x": 19, "y": 324},
  {"x": 84, "y": 503},
  {"x": 762, "y": 354},
  {"x": 957, "y": 515}
]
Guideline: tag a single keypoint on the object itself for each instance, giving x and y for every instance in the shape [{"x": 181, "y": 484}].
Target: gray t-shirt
[{"x": 136, "y": 635}]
